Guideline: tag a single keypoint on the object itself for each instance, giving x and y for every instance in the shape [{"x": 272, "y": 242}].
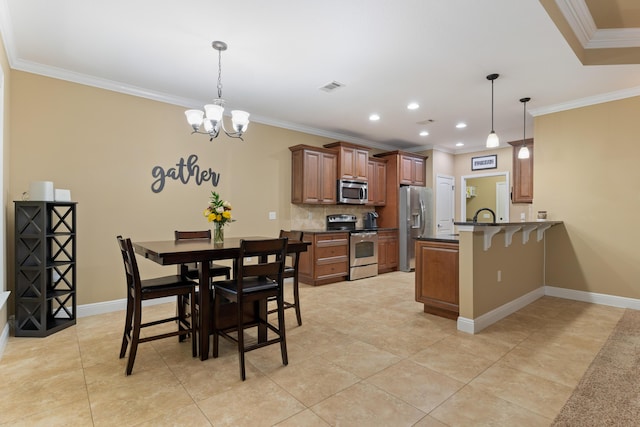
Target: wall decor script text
[{"x": 183, "y": 172}]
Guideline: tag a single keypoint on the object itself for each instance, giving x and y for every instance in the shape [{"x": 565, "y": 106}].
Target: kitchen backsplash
[{"x": 310, "y": 217}]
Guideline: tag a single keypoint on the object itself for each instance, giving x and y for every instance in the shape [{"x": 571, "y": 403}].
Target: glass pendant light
[
  {"x": 523, "y": 153},
  {"x": 492, "y": 139}
]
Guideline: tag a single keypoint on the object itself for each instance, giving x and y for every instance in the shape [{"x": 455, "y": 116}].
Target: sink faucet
[{"x": 475, "y": 217}]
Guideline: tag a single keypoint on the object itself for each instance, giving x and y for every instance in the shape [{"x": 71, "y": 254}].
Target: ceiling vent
[
  {"x": 330, "y": 87},
  {"x": 425, "y": 122}
]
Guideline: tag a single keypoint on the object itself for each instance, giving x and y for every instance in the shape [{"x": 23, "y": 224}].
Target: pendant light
[
  {"x": 523, "y": 153},
  {"x": 492, "y": 139}
]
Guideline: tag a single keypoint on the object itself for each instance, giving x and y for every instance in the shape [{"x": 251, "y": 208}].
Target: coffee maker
[{"x": 370, "y": 220}]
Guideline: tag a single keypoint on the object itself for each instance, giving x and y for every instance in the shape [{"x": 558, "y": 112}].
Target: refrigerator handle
[{"x": 422, "y": 216}]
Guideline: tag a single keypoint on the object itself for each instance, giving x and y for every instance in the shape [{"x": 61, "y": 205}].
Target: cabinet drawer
[
  {"x": 332, "y": 251},
  {"x": 333, "y": 269}
]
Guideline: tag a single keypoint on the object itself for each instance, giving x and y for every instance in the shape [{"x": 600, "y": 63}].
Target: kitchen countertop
[
  {"x": 503, "y": 224},
  {"x": 449, "y": 238},
  {"x": 322, "y": 230}
]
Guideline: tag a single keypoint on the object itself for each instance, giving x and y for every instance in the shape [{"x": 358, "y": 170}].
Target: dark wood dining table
[{"x": 175, "y": 252}]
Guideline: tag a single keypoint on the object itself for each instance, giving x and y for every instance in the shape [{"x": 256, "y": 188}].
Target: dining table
[{"x": 202, "y": 251}]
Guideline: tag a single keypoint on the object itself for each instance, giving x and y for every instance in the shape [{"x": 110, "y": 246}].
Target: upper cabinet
[
  {"x": 352, "y": 160},
  {"x": 377, "y": 182},
  {"x": 402, "y": 169},
  {"x": 522, "y": 174},
  {"x": 313, "y": 175},
  {"x": 412, "y": 170}
]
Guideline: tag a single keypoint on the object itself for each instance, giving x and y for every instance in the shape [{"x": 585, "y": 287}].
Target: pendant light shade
[
  {"x": 523, "y": 153},
  {"x": 492, "y": 139}
]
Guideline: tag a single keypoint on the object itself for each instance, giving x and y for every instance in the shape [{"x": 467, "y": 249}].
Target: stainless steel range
[{"x": 363, "y": 246}]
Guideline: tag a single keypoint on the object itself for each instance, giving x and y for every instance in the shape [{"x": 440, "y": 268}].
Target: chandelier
[{"x": 209, "y": 121}]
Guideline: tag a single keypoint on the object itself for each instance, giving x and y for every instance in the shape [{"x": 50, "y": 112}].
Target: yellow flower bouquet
[{"x": 218, "y": 212}]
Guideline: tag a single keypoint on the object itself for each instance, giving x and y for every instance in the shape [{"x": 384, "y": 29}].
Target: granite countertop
[
  {"x": 322, "y": 230},
  {"x": 502, "y": 224}
]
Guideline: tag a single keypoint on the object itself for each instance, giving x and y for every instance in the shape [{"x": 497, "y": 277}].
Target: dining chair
[
  {"x": 191, "y": 270},
  {"x": 139, "y": 290},
  {"x": 255, "y": 282},
  {"x": 291, "y": 272}
]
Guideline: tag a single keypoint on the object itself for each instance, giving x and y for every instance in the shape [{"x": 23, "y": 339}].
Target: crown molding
[
  {"x": 585, "y": 102},
  {"x": 581, "y": 22}
]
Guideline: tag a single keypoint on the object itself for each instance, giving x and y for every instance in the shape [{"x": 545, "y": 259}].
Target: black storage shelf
[{"x": 45, "y": 273}]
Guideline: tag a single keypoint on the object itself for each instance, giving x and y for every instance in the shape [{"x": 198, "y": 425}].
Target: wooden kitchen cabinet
[
  {"x": 313, "y": 175},
  {"x": 412, "y": 170},
  {"x": 399, "y": 165},
  {"x": 326, "y": 260},
  {"x": 377, "y": 182},
  {"x": 352, "y": 160},
  {"x": 522, "y": 173},
  {"x": 387, "y": 251},
  {"x": 437, "y": 285}
]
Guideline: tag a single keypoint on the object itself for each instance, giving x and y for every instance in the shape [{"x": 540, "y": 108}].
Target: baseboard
[
  {"x": 4, "y": 339},
  {"x": 86, "y": 310},
  {"x": 473, "y": 326},
  {"x": 592, "y": 297}
]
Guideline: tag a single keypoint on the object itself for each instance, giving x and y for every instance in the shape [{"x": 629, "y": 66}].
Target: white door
[
  {"x": 445, "y": 204},
  {"x": 502, "y": 208}
]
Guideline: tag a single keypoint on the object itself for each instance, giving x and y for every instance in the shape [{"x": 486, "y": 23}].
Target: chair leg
[
  {"x": 192, "y": 324},
  {"x": 296, "y": 300},
  {"x": 181, "y": 315},
  {"x": 281, "y": 329},
  {"x": 216, "y": 322},
  {"x": 241, "y": 339},
  {"x": 135, "y": 336},
  {"x": 127, "y": 326}
]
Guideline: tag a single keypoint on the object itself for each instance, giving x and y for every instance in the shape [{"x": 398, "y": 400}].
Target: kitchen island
[
  {"x": 437, "y": 274},
  {"x": 485, "y": 273}
]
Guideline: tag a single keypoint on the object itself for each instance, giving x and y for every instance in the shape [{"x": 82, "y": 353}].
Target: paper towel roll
[{"x": 41, "y": 190}]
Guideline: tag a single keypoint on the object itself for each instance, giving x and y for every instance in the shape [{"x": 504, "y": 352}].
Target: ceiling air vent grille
[{"x": 330, "y": 87}]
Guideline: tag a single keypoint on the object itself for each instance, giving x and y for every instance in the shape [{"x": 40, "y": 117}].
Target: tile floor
[{"x": 365, "y": 355}]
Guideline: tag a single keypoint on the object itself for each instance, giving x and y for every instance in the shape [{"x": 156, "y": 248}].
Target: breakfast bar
[{"x": 482, "y": 274}]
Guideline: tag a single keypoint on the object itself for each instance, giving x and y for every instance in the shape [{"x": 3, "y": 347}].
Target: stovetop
[{"x": 341, "y": 222}]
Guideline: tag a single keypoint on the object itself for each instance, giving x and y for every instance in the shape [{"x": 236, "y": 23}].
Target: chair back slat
[
  {"x": 130, "y": 263},
  {"x": 185, "y": 235},
  {"x": 292, "y": 258},
  {"x": 270, "y": 256}
]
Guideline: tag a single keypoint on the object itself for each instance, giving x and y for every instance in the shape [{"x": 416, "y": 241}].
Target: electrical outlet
[
  {"x": 499, "y": 275},
  {"x": 523, "y": 217},
  {"x": 486, "y": 215},
  {"x": 272, "y": 215}
]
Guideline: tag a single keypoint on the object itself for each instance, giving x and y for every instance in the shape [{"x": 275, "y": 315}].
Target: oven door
[{"x": 363, "y": 255}]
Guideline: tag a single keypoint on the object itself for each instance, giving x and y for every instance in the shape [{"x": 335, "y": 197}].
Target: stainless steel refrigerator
[{"x": 415, "y": 205}]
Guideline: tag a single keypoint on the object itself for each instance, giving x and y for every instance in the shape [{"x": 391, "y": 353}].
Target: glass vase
[{"x": 218, "y": 234}]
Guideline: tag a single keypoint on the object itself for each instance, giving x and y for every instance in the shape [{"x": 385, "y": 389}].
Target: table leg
[{"x": 205, "y": 309}]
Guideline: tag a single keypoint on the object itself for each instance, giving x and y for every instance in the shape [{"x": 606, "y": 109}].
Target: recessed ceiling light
[
  {"x": 424, "y": 133},
  {"x": 413, "y": 106},
  {"x": 461, "y": 125},
  {"x": 459, "y": 144},
  {"x": 374, "y": 117}
]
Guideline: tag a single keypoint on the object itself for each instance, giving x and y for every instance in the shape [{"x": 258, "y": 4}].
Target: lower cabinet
[
  {"x": 437, "y": 277},
  {"x": 387, "y": 251},
  {"x": 326, "y": 260}
]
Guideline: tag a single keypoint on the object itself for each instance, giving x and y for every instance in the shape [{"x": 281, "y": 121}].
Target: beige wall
[
  {"x": 103, "y": 145},
  {"x": 587, "y": 174},
  {"x": 521, "y": 269},
  {"x": 6, "y": 145},
  {"x": 462, "y": 167}
]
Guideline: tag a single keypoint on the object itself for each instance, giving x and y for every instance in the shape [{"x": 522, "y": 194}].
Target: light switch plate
[{"x": 272, "y": 215}]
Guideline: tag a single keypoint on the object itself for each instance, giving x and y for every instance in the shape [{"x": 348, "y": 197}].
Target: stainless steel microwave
[{"x": 353, "y": 192}]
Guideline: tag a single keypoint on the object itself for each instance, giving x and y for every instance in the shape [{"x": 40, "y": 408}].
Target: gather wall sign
[{"x": 183, "y": 172}]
